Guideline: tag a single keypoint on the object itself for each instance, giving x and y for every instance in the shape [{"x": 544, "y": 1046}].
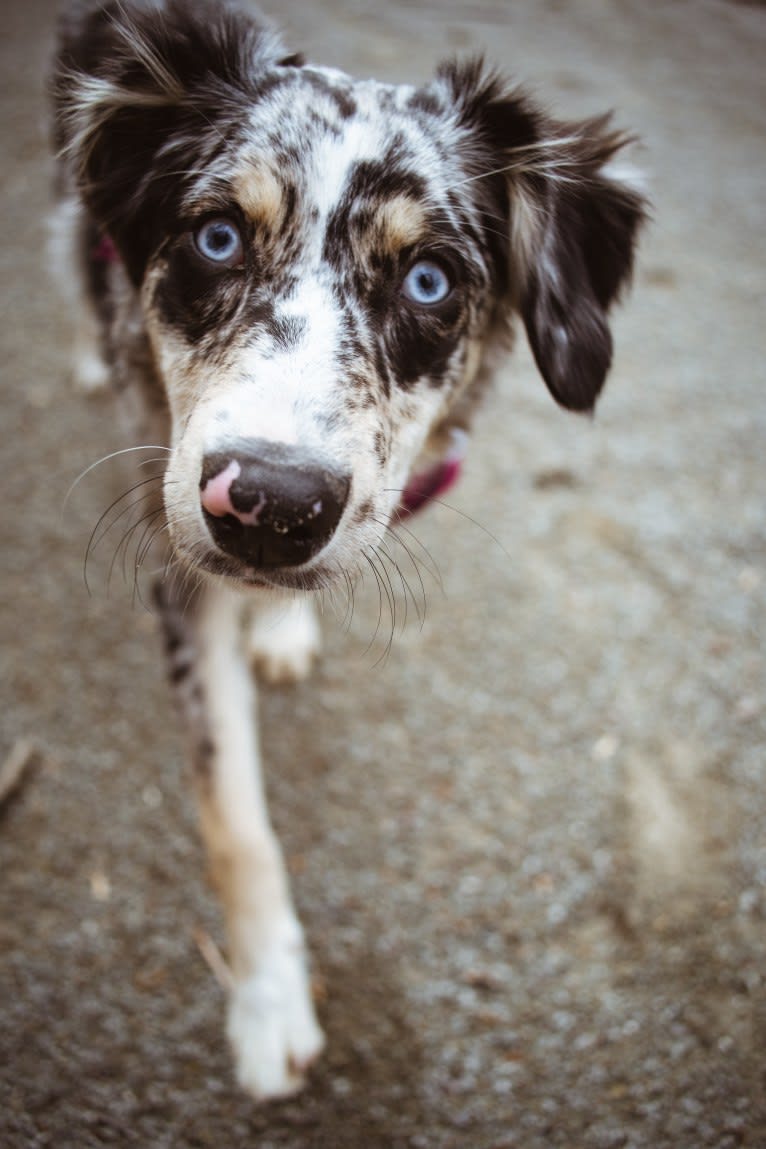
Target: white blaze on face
[
  {"x": 277, "y": 394},
  {"x": 334, "y": 161}
]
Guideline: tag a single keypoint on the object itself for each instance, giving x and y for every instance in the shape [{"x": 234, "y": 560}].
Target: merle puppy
[{"x": 303, "y": 280}]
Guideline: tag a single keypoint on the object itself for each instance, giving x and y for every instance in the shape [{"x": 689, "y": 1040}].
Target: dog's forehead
[
  {"x": 298, "y": 105},
  {"x": 326, "y": 136}
]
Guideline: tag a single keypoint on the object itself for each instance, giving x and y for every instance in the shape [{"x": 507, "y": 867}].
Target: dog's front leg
[{"x": 272, "y": 1024}]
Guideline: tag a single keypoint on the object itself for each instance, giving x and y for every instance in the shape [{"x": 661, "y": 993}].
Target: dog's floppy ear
[
  {"x": 144, "y": 91},
  {"x": 572, "y": 216}
]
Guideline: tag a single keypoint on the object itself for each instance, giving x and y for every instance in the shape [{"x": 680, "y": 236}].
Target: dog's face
[
  {"x": 322, "y": 300},
  {"x": 323, "y": 267}
]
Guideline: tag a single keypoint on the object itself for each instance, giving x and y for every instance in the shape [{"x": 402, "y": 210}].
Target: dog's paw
[
  {"x": 284, "y": 641},
  {"x": 273, "y": 1028}
]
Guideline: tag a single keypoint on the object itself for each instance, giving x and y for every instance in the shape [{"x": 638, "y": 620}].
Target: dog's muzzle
[{"x": 271, "y": 505}]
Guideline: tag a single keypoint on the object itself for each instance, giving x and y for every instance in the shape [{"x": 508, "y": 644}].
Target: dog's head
[{"x": 324, "y": 266}]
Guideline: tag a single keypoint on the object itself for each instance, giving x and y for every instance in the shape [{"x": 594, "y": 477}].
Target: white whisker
[{"x": 106, "y": 458}]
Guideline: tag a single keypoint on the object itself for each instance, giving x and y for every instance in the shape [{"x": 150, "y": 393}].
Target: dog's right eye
[{"x": 219, "y": 241}]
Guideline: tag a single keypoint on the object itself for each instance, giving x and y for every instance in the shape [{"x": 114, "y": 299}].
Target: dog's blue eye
[
  {"x": 426, "y": 283},
  {"x": 219, "y": 241}
]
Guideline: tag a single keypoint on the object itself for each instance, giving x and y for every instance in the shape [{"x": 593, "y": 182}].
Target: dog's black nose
[{"x": 269, "y": 504}]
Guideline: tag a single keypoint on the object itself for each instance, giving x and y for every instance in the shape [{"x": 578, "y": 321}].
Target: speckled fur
[{"x": 168, "y": 114}]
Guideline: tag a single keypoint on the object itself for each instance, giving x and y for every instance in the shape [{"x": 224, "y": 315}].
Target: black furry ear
[
  {"x": 583, "y": 257},
  {"x": 573, "y": 219},
  {"x": 144, "y": 92}
]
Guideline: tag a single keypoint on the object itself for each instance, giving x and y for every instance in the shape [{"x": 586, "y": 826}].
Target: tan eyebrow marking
[
  {"x": 261, "y": 196},
  {"x": 400, "y": 221}
]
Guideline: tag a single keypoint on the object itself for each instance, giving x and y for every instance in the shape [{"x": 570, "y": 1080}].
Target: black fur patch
[{"x": 194, "y": 295}]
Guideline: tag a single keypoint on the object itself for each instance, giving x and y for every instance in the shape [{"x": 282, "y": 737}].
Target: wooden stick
[{"x": 22, "y": 756}]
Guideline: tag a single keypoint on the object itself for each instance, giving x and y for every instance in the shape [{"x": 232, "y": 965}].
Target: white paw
[
  {"x": 285, "y": 640},
  {"x": 273, "y": 1028}
]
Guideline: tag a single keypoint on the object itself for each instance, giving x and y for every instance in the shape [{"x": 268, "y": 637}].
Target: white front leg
[{"x": 272, "y": 1024}]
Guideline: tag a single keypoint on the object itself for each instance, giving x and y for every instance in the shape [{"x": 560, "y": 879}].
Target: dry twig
[{"x": 16, "y": 768}]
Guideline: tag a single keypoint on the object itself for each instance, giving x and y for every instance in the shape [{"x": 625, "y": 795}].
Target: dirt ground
[{"x": 529, "y": 848}]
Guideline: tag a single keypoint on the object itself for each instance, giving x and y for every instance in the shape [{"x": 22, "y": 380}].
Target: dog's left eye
[
  {"x": 219, "y": 241},
  {"x": 426, "y": 283}
]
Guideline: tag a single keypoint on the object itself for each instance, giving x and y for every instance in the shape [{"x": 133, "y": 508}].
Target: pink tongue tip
[{"x": 215, "y": 495}]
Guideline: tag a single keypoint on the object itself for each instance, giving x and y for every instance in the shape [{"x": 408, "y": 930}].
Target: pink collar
[
  {"x": 105, "y": 251},
  {"x": 425, "y": 486}
]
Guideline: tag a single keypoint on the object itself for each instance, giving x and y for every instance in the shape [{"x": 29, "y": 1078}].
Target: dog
[{"x": 305, "y": 282}]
